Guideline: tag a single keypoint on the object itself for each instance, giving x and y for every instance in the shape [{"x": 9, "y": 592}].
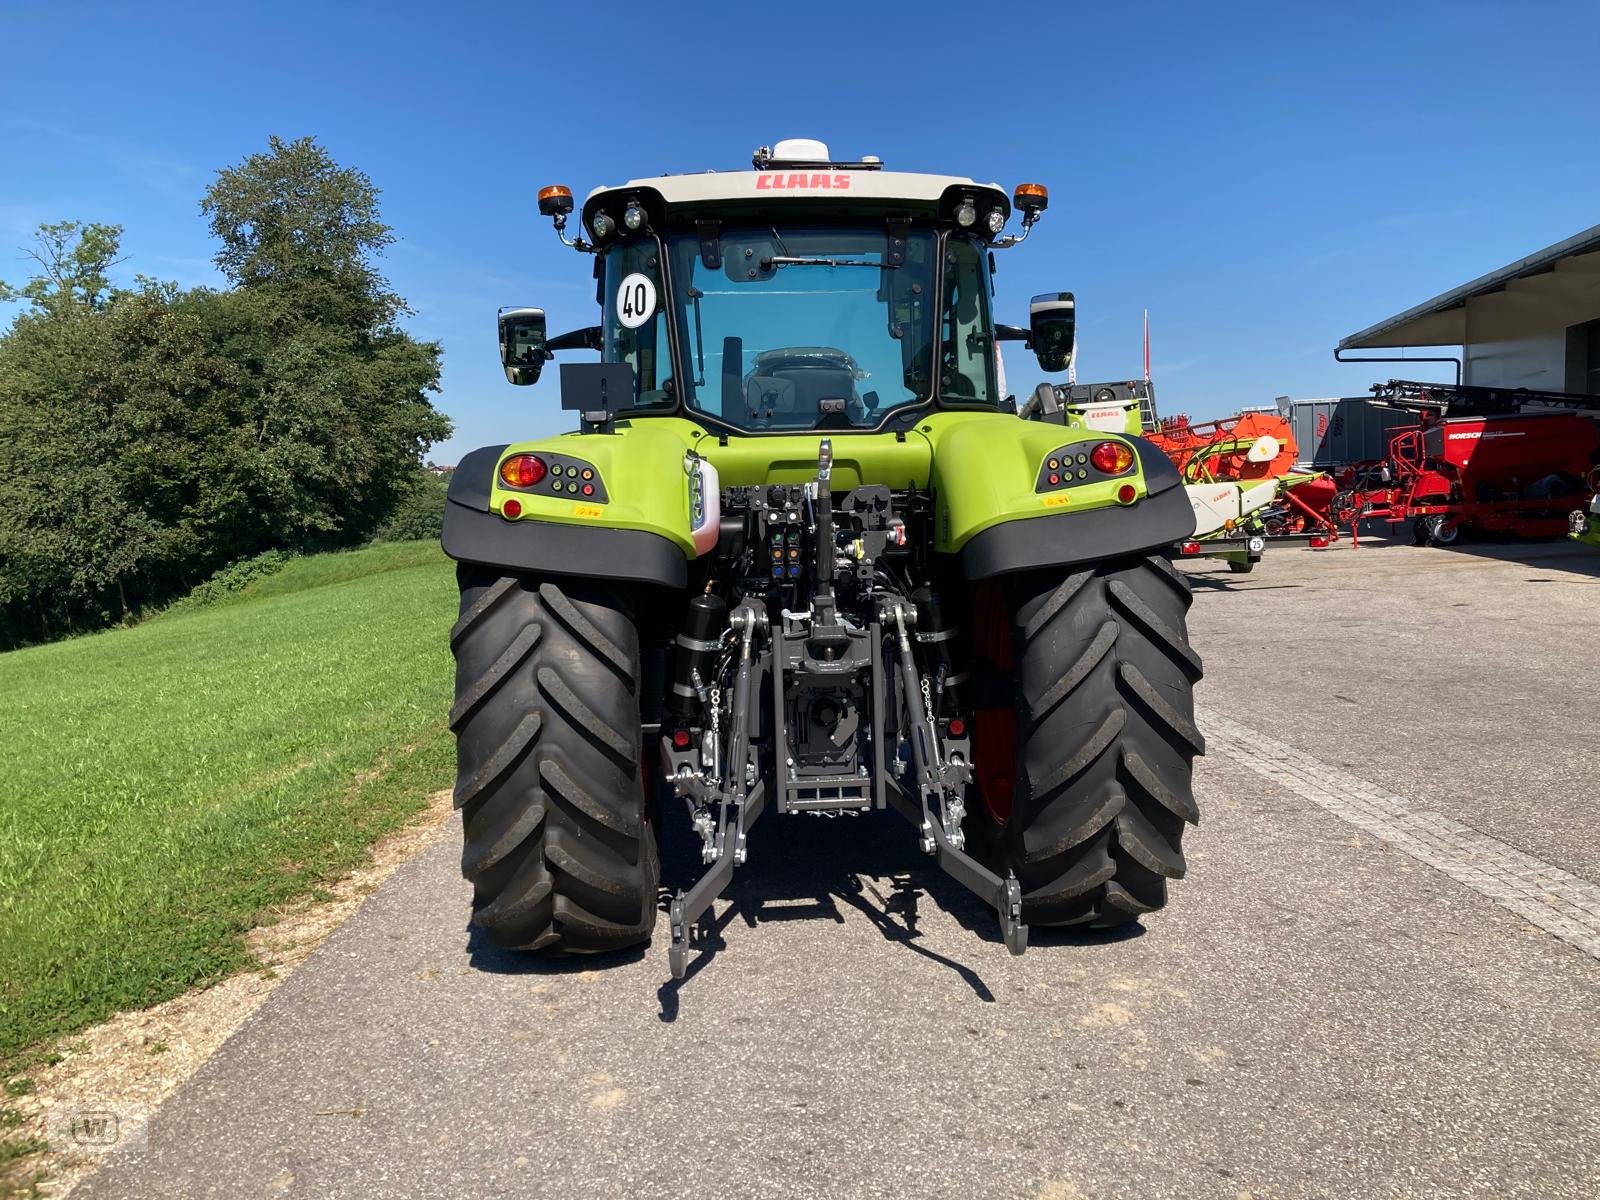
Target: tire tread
[
  {"x": 1104, "y": 691},
  {"x": 546, "y": 719}
]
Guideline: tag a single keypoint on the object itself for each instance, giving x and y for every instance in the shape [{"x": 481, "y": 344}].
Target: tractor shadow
[
  {"x": 810, "y": 868},
  {"x": 483, "y": 955},
  {"x": 1234, "y": 583},
  {"x": 806, "y": 868},
  {"x": 1554, "y": 554}
]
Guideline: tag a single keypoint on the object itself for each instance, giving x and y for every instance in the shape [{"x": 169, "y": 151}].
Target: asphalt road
[{"x": 1317, "y": 1014}]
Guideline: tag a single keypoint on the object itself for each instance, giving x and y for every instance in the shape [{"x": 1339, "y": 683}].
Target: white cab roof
[{"x": 785, "y": 182}]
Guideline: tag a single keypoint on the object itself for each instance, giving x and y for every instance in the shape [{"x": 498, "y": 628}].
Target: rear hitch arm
[
  {"x": 740, "y": 796},
  {"x": 939, "y": 808}
]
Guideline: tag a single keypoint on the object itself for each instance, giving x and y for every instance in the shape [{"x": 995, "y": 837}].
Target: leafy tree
[
  {"x": 96, "y": 459},
  {"x": 293, "y": 215},
  {"x": 73, "y": 260},
  {"x": 419, "y": 513},
  {"x": 149, "y": 436},
  {"x": 344, "y": 413}
]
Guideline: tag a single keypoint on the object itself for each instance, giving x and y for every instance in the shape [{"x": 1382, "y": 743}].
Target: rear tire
[
  {"x": 1241, "y": 568},
  {"x": 1442, "y": 531},
  {"x": 1105, "y": 741},
  {"x": 558, "y": 845}
]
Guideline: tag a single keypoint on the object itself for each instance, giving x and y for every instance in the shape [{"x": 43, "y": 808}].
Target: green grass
[{"x": 164, "y": 784}]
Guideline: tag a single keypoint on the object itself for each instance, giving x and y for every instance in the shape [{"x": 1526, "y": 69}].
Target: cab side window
[
  {"x": 966, "y": 350},
  {"x": 634, "y": 321}
]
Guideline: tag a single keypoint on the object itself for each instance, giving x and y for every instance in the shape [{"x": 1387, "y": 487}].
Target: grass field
[{"x": 164, "y": 784}]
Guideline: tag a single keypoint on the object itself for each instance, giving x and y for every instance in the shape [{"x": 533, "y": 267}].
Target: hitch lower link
[
  {"x": 941, "y": 783},
  {"x": 735, "y": 790}
]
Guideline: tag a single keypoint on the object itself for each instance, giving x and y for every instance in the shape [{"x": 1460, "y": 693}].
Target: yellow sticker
[
  {"x": 1056, "y": 501},
  {"x": 586, "y": 510}
]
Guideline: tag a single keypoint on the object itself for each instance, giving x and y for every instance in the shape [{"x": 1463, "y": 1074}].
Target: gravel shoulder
[{"x": 131, "y": 1063}]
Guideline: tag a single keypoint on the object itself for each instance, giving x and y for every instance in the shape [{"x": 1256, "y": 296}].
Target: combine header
[{"x": 1240, "y": 476}]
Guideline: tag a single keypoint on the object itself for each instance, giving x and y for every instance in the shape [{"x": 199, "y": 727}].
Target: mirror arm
[
  {"x": 587, "y": 338},
  {"x": 1013, "y": 333}
]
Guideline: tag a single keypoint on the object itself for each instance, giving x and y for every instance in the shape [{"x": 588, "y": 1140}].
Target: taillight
[
  {"x": 522, "y": 470},
  {"x": 1189, "y": 548},
  {"x": 511, "y": 509},
  {"x": 680, "y": 739},
  {"x": 1127, "y": 494},
  {"x": 1112, "y": 457}
]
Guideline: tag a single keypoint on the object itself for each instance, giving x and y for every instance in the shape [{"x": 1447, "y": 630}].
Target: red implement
[
  {"x": 1212, "y": 450},
  {"x": 1243, "y": 449},
  {"x": 1516, "y": 473}
]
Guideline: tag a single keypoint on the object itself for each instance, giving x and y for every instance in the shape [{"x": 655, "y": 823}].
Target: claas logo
[{"x": 775, "y": 181}]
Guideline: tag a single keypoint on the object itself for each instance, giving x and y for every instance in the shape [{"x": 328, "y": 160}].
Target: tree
[
  {"x": 98, "y": 460},
  {"x": 293, "y": 215},
  {"x": 73, "y": 260},
  {"x": 149, "y": 435},
  {"x": 343, "y": 415},
  {"x": 419, "y": 512}
]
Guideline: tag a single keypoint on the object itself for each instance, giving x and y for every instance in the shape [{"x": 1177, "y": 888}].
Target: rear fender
[
  {"x": 611, "y": 506},
  {"x": 992, "y": 509}
]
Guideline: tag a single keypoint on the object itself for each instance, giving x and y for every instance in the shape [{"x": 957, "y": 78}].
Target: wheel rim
[
  {"x": 647, "y": 783},
  {"x": 994, "y": 730},
  {"x": 994, "y": 754}
]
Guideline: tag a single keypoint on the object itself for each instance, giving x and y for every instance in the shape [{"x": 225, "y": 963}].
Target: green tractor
[{"x": 803, "y": 554}]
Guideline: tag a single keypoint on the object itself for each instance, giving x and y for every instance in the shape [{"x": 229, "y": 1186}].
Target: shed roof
[{"x": 1442, "y": 320}]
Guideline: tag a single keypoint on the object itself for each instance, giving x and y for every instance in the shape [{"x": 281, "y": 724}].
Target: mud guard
[
  {"x": 1162, "y": 517},
  {"x": 473, "y": 534}
]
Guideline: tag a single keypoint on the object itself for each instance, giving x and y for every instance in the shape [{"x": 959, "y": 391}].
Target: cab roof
[{"x": 786, "y": 185}]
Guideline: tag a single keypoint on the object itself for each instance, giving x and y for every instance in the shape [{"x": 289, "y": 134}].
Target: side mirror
[
  {"x": 523, "y": 346},
  {"x": 1052, "y": 324}
]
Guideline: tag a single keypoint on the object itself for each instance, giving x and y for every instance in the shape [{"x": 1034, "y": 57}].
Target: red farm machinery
[
  {"x": 1241, "y": 475},
  {"x": 1491, "y": 460}
]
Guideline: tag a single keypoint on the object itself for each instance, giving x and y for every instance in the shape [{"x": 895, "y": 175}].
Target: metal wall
[
  {"x": 1516, "y": 336},
  {"x": 1334, "y": 432}
]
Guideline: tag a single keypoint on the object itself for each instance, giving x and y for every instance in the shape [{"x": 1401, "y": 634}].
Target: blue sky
[{"x": 1264, "y": 181}]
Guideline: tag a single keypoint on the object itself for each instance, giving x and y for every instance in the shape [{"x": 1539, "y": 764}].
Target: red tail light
[
  {"x": 1112, "y": 457},
  {"x": 511, "y": 509},
  {"x": 957, "y": 727},
  {"x": 1190, "y": 548},
  {"x": 680, "y": 739},
  {"x": 1127, "y": 494},
  {"x": 522, "y": 470}
]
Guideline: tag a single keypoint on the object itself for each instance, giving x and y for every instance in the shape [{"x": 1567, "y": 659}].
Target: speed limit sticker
[{"x": 636, "y": 300}]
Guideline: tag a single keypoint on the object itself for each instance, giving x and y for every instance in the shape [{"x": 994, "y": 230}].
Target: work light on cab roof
[{"x": 793, "y": 173}]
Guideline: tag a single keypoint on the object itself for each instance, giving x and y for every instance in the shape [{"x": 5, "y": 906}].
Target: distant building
[
  {"x": 1532, "y": 324},
  {"x": 1337, "y": 431}
]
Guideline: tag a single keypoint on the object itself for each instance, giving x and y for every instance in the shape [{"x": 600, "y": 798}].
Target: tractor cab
[{"x": 806, "y": 294}]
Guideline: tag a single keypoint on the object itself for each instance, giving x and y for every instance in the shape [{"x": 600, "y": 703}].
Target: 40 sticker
[{"x": 636, "y": 300}]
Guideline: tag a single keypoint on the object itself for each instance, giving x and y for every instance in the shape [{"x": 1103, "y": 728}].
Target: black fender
[
  {"x": 473, "y": 534},
  {"x": 1162, "y": 517}
]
